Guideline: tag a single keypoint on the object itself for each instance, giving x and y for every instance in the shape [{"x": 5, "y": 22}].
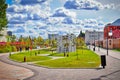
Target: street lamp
[
  {"x": 98, "y": 41},
  {"x": 107, "y": 42},
  {"x": 108, "y": 34},
  {"x": 94, "y": 41}
]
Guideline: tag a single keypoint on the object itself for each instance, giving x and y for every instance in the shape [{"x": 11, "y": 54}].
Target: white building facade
[
  {"x": 52, "y": 36},
  {"x": 3, "y": 35},
  {"x": 92, "y": 36},
  {"x": 66, "y": 43}
]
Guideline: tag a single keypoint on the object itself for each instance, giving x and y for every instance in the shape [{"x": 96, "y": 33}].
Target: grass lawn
[
  {"x": 86, "y": 59},
  {"x": 117, "y": 50},
  {"x": 79, "y": 59},
  {"x": 43, "y": 51},
  {"x": 30, "y": 56}
]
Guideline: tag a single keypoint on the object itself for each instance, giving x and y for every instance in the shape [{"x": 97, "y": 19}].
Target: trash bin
[
  {"x": 93, "y": 49},
  {"x": 103, "y": 61}
]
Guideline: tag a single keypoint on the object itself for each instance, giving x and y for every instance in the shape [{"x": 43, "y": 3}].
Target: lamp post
[
  {"x": 94, "y": 41},
  {"x": 108, "y": 34},
  {"x": 107, "y": 41},
  {"x": 98, "y": 41}
]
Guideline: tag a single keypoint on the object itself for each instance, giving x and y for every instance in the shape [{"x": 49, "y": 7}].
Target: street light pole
[
  {"x": 108, "y": 34},
  {"x": 107, "y": 44},
  {"x": 98, "y": 41},
  {"x": 94, "y": 41},
  {"x": 107, "y": 41}
]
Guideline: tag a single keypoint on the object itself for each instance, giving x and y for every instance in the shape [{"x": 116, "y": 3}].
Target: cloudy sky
[{"x": 42, "y": 17}]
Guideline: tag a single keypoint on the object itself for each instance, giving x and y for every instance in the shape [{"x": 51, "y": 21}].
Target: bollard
[
  {"x": 20, "y": 49},
  {"x": 93, "y": 49},
  {"x": 64, "y": 54},
  {"x": 89, "y": 46},
  {"x": 35, "y": 54},
  {"x": 67, "y": 55},
  {"x": 10, "y": 54},
  {"x": 24, "y": 58}
]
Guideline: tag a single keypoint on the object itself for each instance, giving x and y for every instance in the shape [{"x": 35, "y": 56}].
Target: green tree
[
  {"x": 3, "y": 18},
  {"x": 81, "y": 34},
  {"x": 53, "y": 43},
  {"x": 35, "y": 42},
  {"x": 21, "y": 38},
  {"x": 46, "y": 42},
  {"x": 13, "y": 37},
  {"x": 80, "y": 43},
  {"x": 28, "y": 41},
  {"x": 40, "y": 41}
]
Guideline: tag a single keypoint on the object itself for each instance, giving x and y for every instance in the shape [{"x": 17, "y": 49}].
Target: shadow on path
[{"x": 106, "y": 76}]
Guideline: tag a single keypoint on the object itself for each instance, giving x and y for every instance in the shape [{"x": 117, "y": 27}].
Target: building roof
[{"x": 116, "y": 23}]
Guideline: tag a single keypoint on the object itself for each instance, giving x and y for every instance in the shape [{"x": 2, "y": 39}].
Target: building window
[{"x": 110, "y": 42}]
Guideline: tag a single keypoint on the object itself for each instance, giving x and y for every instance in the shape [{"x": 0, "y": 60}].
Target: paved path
[
  {"x": 111, "y": 72},
  {"x": 101, "y": 51},
  {"x": 11, "y": 72}
]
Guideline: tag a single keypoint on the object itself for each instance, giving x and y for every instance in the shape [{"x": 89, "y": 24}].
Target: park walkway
[
  {"x": 111, "y": 71},
  {"x": 11, "y": 72},
  {"x": 101, "y": 51}
]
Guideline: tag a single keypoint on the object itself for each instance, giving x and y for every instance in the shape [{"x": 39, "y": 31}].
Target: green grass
[
  {"x": 86, "y": 59},
  {"x": 117, "y": 50},
  {"x": 30, "y": 56}
]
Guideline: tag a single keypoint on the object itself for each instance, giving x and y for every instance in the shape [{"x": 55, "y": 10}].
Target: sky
[{"x": 42, "y": 17}]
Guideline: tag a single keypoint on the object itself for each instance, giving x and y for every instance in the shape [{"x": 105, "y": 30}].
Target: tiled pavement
[
  {"x": 11, "y": 72},
  {"x": 111, "y": 71}
]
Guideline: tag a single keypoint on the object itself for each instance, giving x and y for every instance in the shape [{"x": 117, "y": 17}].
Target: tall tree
[
  {"x": 81, "y": 34},
  {"x": 40, "y": 41},
  {"x": 3, "y": 18},
  {"x": 13, "y": 37},
  {"x": 28, "y": 41},
  {"x": 80, "y": 42}
]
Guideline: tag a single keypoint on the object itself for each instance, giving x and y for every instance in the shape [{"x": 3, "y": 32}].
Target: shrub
[{"x": 14, "y": 49}]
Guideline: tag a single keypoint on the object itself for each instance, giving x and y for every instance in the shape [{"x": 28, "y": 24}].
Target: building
[
  {"x": 9, "y": 33},
  {"x": 92, "y": 36},
  {"x": 3, "y": 35},
  {"x": 66, "y": 43},
  {"x": 114, "y": 28},
  {"x": 112, "y": 40},
  {"x": 112, "y": 43},
  {"x": 52, "y": 36}
]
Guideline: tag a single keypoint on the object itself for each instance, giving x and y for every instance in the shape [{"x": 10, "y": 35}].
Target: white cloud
[
  {"x": 35, "y": 20},
  {"x": 69, "y": 20},
  {"x": 54, "y": 20},
  {"x": 62, "y": 12},
  {"x": 118, "y": 7},
  {"x": 16, "y": 1},
  {"x": 86, "y": 5},
  {"x": 109, "y": 6},
  {"x": 29, "y": 9},
  {"x": 19, "y": 16}
]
